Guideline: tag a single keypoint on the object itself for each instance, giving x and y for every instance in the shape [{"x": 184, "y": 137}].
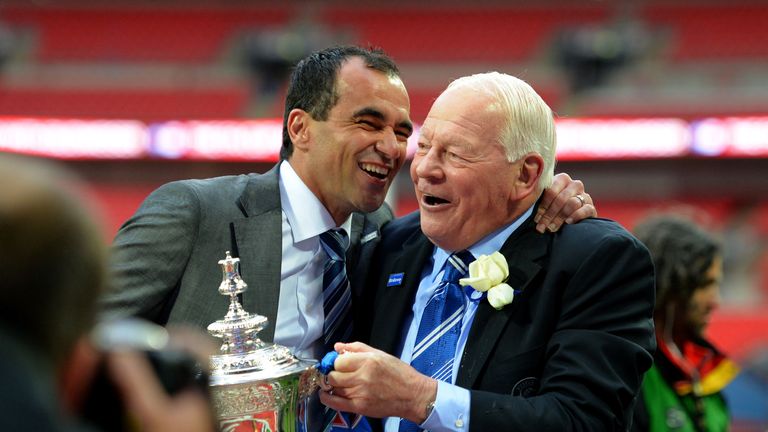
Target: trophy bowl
[{"x": 256, "y": 386}]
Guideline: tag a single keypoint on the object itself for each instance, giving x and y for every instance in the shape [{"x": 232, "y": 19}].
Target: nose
[
  {"x": 388, "y": 145},
  {"x": 427, "y": 165}
]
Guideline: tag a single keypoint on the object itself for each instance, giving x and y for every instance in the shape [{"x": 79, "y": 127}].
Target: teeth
[{"x": 374, "y": 169}]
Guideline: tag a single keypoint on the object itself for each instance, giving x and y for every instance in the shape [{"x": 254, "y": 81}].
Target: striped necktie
[
  {"x": 337, "y": 295},
  {"x": 440, "y": 327},
  {"x": 337, "y": 304}
]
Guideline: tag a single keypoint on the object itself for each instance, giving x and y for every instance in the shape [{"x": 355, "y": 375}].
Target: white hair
[{"x": 529, "y": 125}]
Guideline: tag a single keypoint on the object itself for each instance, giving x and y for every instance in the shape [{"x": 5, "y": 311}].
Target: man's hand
[
  {"x": 373, "y": 383},
  {"x": 564, "y": 201}
]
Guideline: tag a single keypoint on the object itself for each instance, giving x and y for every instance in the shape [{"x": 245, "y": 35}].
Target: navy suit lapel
[
  {"x": 524, "y": 250},
  {"x": 395, "y": 302},
  {"x": 258, "y": 243}
]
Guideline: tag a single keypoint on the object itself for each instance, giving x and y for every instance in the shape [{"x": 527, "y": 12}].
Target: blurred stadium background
[{"x": 662, "y": 104}]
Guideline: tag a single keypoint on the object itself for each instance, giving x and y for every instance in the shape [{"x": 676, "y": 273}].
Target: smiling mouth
[
  {"x": 375, "y": 171},
  {"x": 432, "y": 200}
]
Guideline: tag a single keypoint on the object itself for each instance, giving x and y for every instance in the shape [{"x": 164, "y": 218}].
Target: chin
[
  {"x": 370, "y": 206},
  {"x": 698, "y": 331},
  {"x": 430, "y": 234},
  {"x": 440, "y": 239}
]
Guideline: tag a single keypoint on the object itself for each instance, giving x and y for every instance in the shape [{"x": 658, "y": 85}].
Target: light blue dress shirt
[
  {"x": 451, "y": 411},
  {"x": 300, "y": 316}
]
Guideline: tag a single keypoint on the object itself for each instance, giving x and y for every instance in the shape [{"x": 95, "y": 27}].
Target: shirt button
[{"x": 459, "y": 423}]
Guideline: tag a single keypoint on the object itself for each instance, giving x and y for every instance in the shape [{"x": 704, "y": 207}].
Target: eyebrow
[
  {"x": 372, "y": 112},
  {"x": 455, "y": 141}
]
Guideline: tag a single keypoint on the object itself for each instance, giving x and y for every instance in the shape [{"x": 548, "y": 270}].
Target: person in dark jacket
[{"x": 488, "y": 324}]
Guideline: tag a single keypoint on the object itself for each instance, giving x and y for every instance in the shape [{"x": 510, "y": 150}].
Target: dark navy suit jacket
[{"x": 570, "y": 351}]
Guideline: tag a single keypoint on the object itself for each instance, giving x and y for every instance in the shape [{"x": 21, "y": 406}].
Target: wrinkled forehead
[{"x": 464, "y": 114}]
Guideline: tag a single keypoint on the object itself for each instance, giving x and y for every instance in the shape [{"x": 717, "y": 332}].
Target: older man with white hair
[{"x": 496, "y": 326}]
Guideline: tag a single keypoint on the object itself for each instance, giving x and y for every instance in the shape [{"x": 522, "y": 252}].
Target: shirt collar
[
  {"x": 296, "y": 199},
  {"x": 486, "y": 246}
]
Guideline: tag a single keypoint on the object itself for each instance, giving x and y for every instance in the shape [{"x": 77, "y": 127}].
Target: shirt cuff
[{"x": 451, "y": 411}]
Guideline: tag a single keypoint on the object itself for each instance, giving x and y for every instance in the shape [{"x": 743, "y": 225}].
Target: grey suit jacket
[{"x": 164, "y": 263}]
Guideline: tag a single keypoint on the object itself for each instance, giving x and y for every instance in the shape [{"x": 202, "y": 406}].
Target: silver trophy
[{"x": 256, "y": 385}]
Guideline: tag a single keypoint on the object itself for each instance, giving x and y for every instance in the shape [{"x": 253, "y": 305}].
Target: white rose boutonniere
[{"x": 488, "y": 274}]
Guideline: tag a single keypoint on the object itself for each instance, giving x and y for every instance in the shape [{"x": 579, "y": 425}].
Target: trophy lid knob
[{"x": 231, "y": 282}]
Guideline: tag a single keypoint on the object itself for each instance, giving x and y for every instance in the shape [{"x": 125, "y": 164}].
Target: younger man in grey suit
[
  {"x": 565, "y": 344},
  {"x": 345, "y": 129}
]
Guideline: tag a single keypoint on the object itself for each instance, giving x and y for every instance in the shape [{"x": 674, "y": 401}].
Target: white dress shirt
[
  {"x": 300, "y": 313},
  {"x": 451, "y": 411}
]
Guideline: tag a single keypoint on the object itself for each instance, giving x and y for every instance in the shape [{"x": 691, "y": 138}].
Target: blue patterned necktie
[
  {"x": 337, "y": 295},
  {"x": 440, "y": 327},
  {"x": 337, "y": 304}
]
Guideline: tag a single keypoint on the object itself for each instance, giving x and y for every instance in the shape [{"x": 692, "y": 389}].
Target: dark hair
[
  {"x": 681, "y": 252},
  {"x": 312, "y": 85},
  {"x": 52, "y": 257}
]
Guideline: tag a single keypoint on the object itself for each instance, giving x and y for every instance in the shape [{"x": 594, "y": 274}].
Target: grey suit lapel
[
  {"x": 524, "y": 250},
  {"x": 353, "y": 252},
  {"x": 258, "y": 240},
  {"x": 363, "y": 240}
]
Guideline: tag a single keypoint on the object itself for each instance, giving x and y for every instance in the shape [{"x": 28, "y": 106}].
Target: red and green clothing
[{"x": 683, "y": 393}]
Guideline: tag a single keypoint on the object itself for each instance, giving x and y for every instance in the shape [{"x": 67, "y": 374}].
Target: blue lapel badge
[{"x": 395, "y": 279}]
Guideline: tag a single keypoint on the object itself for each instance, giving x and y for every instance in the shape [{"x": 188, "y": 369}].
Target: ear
[
  {"x": 298, "y": 128},
  {"x": 531, "y": 168}
]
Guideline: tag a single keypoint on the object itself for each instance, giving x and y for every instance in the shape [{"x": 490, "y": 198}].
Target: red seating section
[
  {"x": 117, "y": 202},
  {"x": 460, "y": 34},
  {"x": 129, "y": 34},
  {"x": 701, "y": 32},
  {"x": 125, "y": 103},
  {"x": 426, "y": 34},
  {"x": 608, "y": 108},
  {"x": 408, "y": 33}
]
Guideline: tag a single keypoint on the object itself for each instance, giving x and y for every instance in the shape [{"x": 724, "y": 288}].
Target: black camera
[{"x": 176, "y": 370}]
